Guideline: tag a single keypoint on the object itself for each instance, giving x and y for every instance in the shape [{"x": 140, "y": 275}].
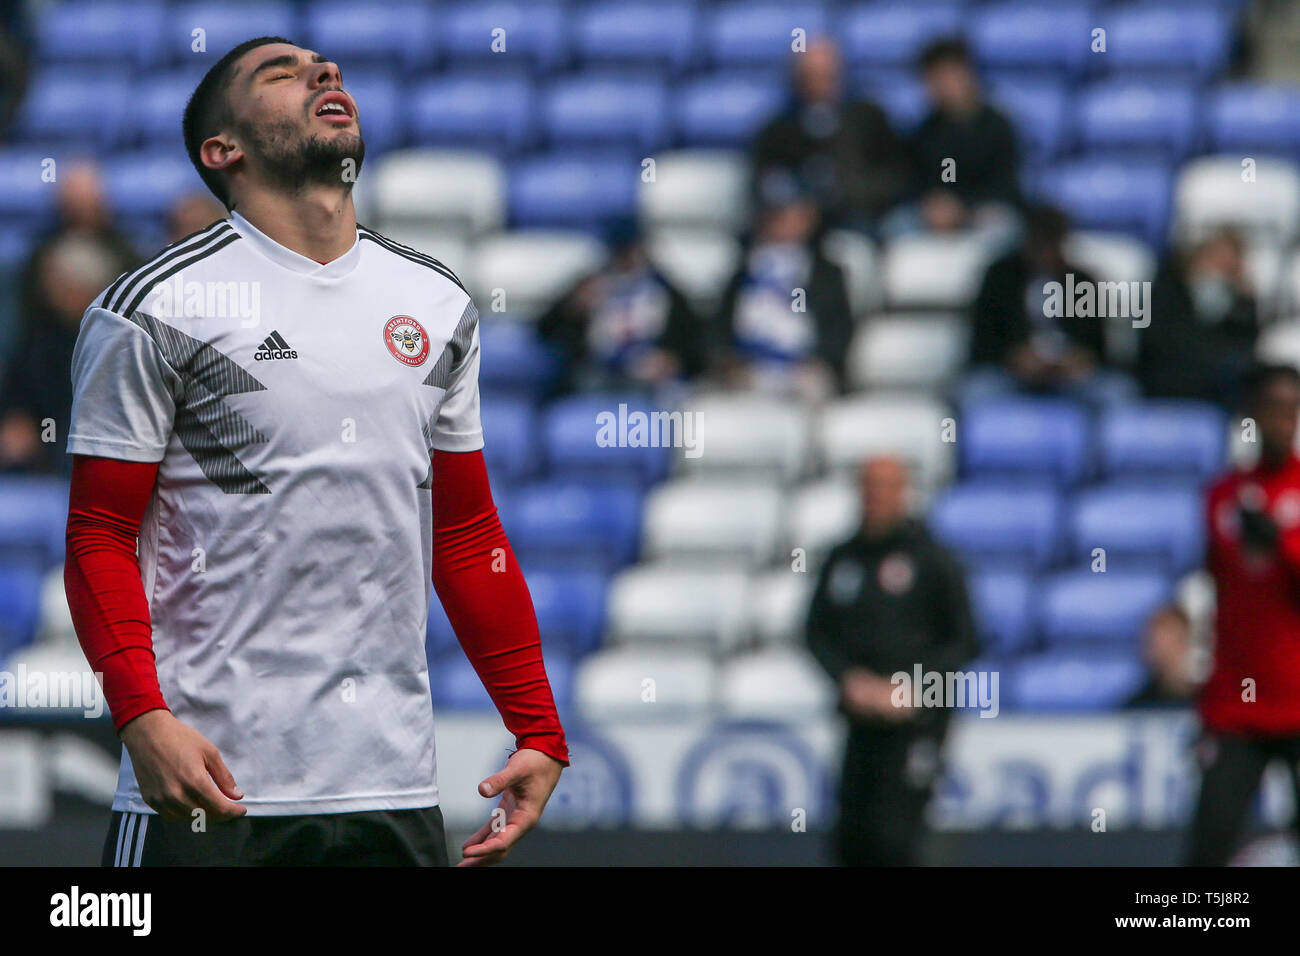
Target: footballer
[{"x": 259, "y": 504}]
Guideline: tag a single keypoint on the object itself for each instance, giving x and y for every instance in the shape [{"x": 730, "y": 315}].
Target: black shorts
[{"x": 371, "y": 838}]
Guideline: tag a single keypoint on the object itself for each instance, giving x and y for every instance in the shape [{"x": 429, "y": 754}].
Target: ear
[{"x": 220, "y": 152}]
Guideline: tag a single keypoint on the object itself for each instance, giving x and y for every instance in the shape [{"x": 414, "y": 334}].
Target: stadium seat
[
  {"x": 221, "y": 25},
  {"x": 898, "y": 92},
  {"x": 514, "y": 360},
  {"x": 56, "y": 626},
  {"x": 524, "y": 270},
  {"x": 20, "y": 603},
  {"x": 467, "y": 110},
  {"x": 505, "y": 30},
  {"x": 455, "y": 685},
  {"x": 1001, "y": 602},
  {"x": 596, "y": 435},
  {"x": 698, "y": 188},
  {"x": 1185, "y": 38},
  {"x": 577, "y": 522},
  {"x": 1071, "y": 682},
  {"x": 381, "y": 102},
  {"x": 510, "y": 437},
  {"x": 1111, "y": 257},
  {"x": 853, "y": 429},
  {"x": 613, "y": 684},
  {"x": 894, "y": 32},
  {"x": 564, "y": 189},
  {"x": 708, "y": 521},
  {"x": 1025, "y": 436},
  {"x": 638, "y": 32},
  {"x": 33, "y": 519},
  {"x": 821, "y": 514},
  {"x": 698, "y": 262},
  {"x": 782, "y": 683},
  {"x": 1040, "y": 109},
  {"x": 929, "y": 271},
  {"x": 665, "y": 604},
  {"x": 1000, "y": 524},
  {"x": 1111, "y": 194},
  {"x": 778, "y": 604},
  {"x": 1211, "y": 192},
  {"x": 907, "y": 351},
  {"x": 741, "y": 32},
  {"x": 465, "y": 190},
  {"x": 349, "y": 33},
  {"x": 1084, "y": 607},
  {"x": 26, "y": 198},
  {"x": 758, "y": 436},
  {"x": 726, "y": 109},
  {"x": 155, "y": 107},
  {"x": 1174, "y": 439},
  {"x": 1130, "y": 114},
  {"x": 570, "y": 606},
  {"x": 1138, "y": 526},
  {"x": 57, "y": 107},
  {"x": 1024, "y": 35},
  {"x": 1254, "y": 116},
  {"x": 856, "y": 255},
  {"x": 605, "y": 109},
  {"x": 148, "y": 183},
  {"x": 99, "y": 31}
]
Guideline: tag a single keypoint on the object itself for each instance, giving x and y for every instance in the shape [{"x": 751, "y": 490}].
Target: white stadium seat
[
  {"x": 924, "y": 271},
  {"x": 462, "y": 190},
  {"x": 750, "y": 434},
  {"x": 1280, "y": 342},
  {"x": 907, "y": 351},
  {"x": 856, "y": 428},
  {"x": 778, "y": 604},
  {"x": 732, "y": 521},
  {"x": 820, "y": 516},
  {"x": 1210, "y": 192},
  {"x": 699, "y": 262},
  {"x": 1111, "y": 256},
  {"x": 531, "y": 267},
  {"x": 56, "y": 617},
  {"x": 857, "y": 256},
  {"x": 697, "y": 188},
  {"x": 658, "y": 603},
  {"x": 615, "y": 683},
  {"x": 775, "y": 684}
]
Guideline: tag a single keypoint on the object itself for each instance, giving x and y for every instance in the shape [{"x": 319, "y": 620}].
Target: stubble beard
[{"x": 293, "y": 163}]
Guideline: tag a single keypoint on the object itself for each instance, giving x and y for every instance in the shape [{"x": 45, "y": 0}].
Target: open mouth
[{"x": 335, "y": 106}]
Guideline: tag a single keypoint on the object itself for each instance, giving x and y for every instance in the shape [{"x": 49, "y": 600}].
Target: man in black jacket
[{"x": 889, "y": 600}]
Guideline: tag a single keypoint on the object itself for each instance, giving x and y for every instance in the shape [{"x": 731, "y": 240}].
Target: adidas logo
[{"x": 274, "y": 347}]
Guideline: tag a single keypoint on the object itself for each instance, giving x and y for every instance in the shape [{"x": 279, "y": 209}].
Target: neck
[{"x": 319, "y": 223}]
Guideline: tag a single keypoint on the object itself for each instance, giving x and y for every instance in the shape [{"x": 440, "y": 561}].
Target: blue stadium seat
[
  {"x": 515, "y": 361},
  {"x": 610, "y": 31},
  {"x": 20, "y": 604},
  {"x": 1175, "y": 439},
  {"x": 568, "y": 190},
  {"x": 895, "y": 32},
  {"x": 381, "y": 103},
  {"x": 1109, "y": 194},
  {"x": 757, "y": 33},
  {"x": 898, "y": 92},
  {"x": 1138, "y": 525},
  {"x": 104, "y": 31},
  {"x": 1254, "y": 116},
  {"x": 352, "y": 33},
  {"x": 157, "y": 104},
  {"x": 1024, "y": 436},
  {"x": 1086, "y": 607},
  {"x": 577, "y": 446},
  {"x": 577, "y": 523},
  {"x": 727, "y": 109},
  {"x": 605, "y": 109},
  {"x": 25, "y": 198},
  {"x": 1126, "y": 114},
  {"x": 33, "y": 519},
  {"x": 570, "y": 606},
  {"x": 225, "y": 25},
  {"x": 146, "y": 183},
  {"x": 536, "y": 32},
  {"x": 997, "y": 524},
  {"x": 509, "y": 437},
  {"x": 1181, "y": 37},
  {"x": 1072, "y": 682},
  {"x": 83, "y": 106},
  {"x": 1001, "y": 603},
  {"x": 1036, "y": 36},
  {"x": 1038, "y": 108},
  {"x": 473, "y": 111}
]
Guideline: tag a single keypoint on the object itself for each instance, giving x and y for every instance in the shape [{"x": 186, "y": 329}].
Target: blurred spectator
[
  {"x": 1018, "y": 342},
  {"x": 13, "y": 63},
  {"x": 784, "y": 317},
  {"x": 888, "y": 599},
  {"x": 844, "y": 148},
  {"x": 625, "y": 324},
  {"x": 192, "y": 212},
  {"x": 1167, "y": 651},
  {"x": 1203, "y": 323},
  {"x": 965, "y": 161},
  {"x": 1250, "y": 706},
  {"x": 36, "y": 400}
]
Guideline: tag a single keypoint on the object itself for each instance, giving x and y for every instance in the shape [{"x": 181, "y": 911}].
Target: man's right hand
[{"x": 178, "y": 770}]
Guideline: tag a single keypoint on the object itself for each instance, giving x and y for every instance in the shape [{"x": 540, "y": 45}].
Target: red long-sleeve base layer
[{"x": 490, "y": 610}]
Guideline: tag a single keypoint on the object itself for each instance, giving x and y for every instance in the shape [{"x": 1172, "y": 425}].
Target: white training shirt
[{"x": 287, "y": 550}]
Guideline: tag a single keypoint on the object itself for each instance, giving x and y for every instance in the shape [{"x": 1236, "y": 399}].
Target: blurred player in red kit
[{"x": 1250, "y": 706}]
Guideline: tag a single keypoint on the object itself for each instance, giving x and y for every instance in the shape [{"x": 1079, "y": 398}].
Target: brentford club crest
[{"x": 407, "y": 340}]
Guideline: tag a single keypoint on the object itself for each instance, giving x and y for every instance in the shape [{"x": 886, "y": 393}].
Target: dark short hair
[
  {"x": 944, "y": 50},
  {"x": 209, "y": 110},
  {"x": 1260, "y": 377}
]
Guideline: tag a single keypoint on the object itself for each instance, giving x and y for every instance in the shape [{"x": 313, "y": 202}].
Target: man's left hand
[{"x": 525, "y": 784}]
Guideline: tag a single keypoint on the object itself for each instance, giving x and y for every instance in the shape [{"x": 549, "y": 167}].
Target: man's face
[
  {"x": 883, "y": 484},
  {"x": 951, "y": 85},
  {"x": 1278, "y": 414},
  {"x": 292, "y": 118},
  {"x": 818, "y": 73}
]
